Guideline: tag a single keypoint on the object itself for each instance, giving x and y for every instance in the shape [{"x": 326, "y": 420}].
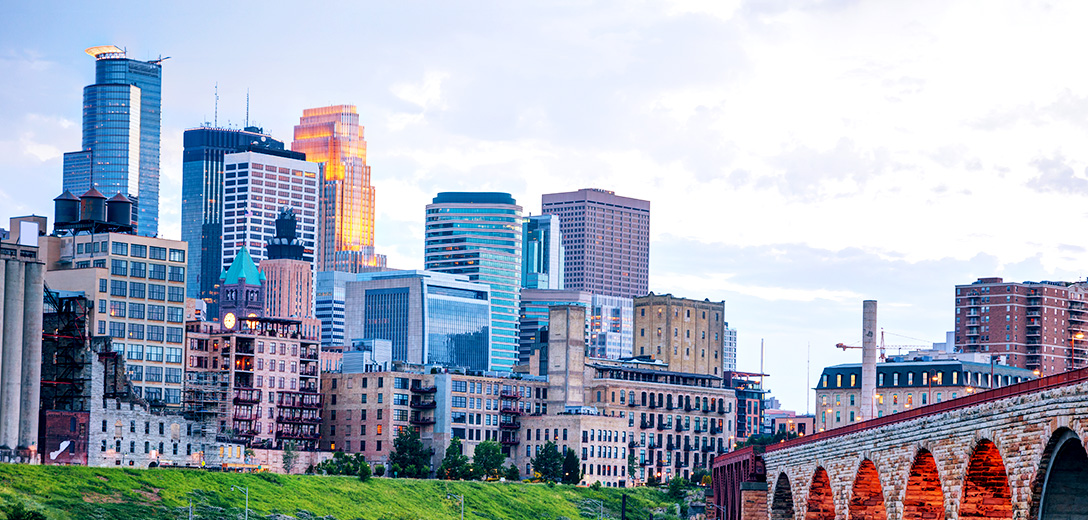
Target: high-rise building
[
  {"x": 257, "y": 186},
  {"x": 333, "y": 137},
  {"x": 289, "y": 280},
  {"x": 121, "y": 121},
  {"x": 430, "y": 318},
  {"x": 606, "y": 241},
  {"x": 1034, "y": 325},
  {"x": 729, "y": 349},
  {"x": 684, "y": 334},
  {"x": 479, "y": 234},
  {"x": 330, "y": 288},
  {"x": 609, "y": 321},
  {"x": 542, "y": 253},
  {"x": 202, "y": 200}
]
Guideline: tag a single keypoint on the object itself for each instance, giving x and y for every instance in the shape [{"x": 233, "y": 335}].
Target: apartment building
[{"x": 684, "y": 334}]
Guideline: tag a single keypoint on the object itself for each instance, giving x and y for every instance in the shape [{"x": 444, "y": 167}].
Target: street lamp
[
  {"x": 929, "y": 385},
  {"x": 246, "y": 490},
  {"x": 450, "y": 496},
  {"x": 720, "y": 508}
]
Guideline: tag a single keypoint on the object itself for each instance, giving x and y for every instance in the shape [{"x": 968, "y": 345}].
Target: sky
[{"x": 800, "y": 157}]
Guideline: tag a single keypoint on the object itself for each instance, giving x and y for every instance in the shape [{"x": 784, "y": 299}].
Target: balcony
[
  {"x": 508, "y": 394},
  {"x": 294, "y": 418},
  {"x": 421, "y": 421},
  {"x": 423, "y": 405},
  {"x": 299, "y": 400},
  {"x": 310, "y": 354},
  {"x": 247, "y": 396},
  {"x": 644, "y": 425},
  {"x": 241, "y": 415},
  {"x": 510, "y": 411},
  {"x": 510, "y": 425},
  {"x": 681, "y": 428},
  {"x": 663, "y": 426},
  {"x": 302, "y": 435},
  {"x": 510, "y": 441},
  {"x": 424, "y": 389},
  {"x": 670, "y": 447},
  {"x": 708, "y": 448},
  {"x": 632, "y": 404},
  {"x": 308, "y": 371},
  {"x": 721, "y": 412}
]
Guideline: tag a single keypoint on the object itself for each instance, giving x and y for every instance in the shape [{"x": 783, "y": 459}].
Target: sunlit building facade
[
  {"x": 333, "y": 137},
  {"x": 121, "y": 122},
  {"x": 478, "y": 234}
]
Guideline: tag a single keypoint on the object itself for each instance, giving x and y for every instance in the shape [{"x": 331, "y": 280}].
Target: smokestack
[{"x": 868, "y": 358}]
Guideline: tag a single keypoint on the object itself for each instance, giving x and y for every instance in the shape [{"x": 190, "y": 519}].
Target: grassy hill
[{"x": 101, "y": 493}]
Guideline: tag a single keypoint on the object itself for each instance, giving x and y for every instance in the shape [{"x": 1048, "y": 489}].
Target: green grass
[{"x": 107, "y": 493}]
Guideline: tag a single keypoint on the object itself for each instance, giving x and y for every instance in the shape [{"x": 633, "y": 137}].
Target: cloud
[{"x": 1057, "y": 177}]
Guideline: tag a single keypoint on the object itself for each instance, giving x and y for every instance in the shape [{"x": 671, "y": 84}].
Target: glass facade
[
  {"x": 480, "y": 235},
  {"x": 121, "y": 129},
  {"x": 329, "y": 301},
  {"x": 202, "y": 202},
  {"x": 386, "y": 317},
  {"x": 542, "y": 253},
  {"x": 458, "y": 328}
]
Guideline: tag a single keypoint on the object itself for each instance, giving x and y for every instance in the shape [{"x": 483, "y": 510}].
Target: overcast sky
[{"x": 799, "y": 156}]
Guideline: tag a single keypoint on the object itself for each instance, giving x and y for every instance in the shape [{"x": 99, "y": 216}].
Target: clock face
[{"x": 229, "y": 320}]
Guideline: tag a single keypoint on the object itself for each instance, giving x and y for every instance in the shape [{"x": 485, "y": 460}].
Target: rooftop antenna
[
  {"x": 216, "y": 124},
  {"x": 247, "y": 108},
  {"x": 808, "y": 375}
]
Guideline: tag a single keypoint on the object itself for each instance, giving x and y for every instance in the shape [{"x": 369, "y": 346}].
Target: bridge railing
[{"x": 1027, "y": 387}]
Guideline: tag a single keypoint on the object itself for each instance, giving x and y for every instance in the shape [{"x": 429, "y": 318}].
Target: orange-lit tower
[{"x": 333, "y": 137}]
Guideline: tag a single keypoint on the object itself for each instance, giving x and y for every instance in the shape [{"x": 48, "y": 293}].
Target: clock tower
[{"x": 241, "y": 291}]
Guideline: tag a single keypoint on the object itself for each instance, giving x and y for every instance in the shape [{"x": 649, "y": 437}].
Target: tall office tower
[
  {"x": 333, "y": 137},
  {"x": 729, "y": 349},
  {"x": 542, "y": 253},
  {"x": 606, "y": 240},
  {"x": 1034, "y": 325},
  {"x": 257, "y": 185},
  {"x": 121, "y": 119},
  {"x": 202, "y": 201},
  {"x": 289, "y": 280},
  {"x": 329, "y": 301},
  {"x": 479, "y": 234},
  {"x": 685, "y": 334}
]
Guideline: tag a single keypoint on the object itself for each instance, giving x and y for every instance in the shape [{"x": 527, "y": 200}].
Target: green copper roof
[{"x": 242, "y": 267}]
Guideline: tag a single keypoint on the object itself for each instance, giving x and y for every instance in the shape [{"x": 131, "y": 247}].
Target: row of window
[
  {"x": 141, "y": 290},
  {"x": 121, "y": 309},
  {"x": 143, "y": 332},
  {"x": 136, "y": 250},
  {"x": 153, "y": 353}
]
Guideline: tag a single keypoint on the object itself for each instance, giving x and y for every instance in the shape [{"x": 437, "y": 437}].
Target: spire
[{"x": 242, "y": 267}]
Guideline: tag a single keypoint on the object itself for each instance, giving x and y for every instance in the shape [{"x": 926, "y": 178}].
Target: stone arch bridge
[{"x": 1012, "y": 453}]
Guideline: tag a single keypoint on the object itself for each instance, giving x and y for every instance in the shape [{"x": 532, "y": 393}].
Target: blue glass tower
[
  {"x": 121, "y": 121},
  {"x": 479, "y": 234},
  {"x": 202, "y": 201},
  {"x": 542, "y": 253}
]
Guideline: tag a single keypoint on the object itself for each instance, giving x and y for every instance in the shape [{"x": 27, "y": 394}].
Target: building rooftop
[
  {"x": 474, "y": 197},
  {"x": 242, "y": 267}
]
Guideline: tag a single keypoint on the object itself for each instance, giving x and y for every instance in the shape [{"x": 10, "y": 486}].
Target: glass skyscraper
[
  {"x": 542, "y": 253},
  {"x": 478, "y": 234},
  {"x": 121, "y": 120},
  {"x": 202, "y": 201}
]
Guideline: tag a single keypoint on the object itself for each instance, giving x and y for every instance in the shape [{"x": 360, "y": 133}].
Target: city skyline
[{"x": 799, "y": 160}]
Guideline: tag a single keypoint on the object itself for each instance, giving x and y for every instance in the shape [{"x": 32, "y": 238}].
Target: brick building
[
  {"x": 684, "y": 334},
  {"x": 1036, "y": 325}
]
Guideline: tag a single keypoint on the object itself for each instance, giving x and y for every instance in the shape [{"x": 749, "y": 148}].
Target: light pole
[
  {"x": 450, "y": 496},
  {"x": 720, "y": 508},
  {"x": 929, "y": 384},
  {"x": 246, "y": 490}
]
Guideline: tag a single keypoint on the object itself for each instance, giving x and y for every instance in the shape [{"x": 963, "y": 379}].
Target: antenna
[
  {"x": 216, "y": 124},
  {"x": 247, "y": 108},
  {"x": 808, "y": 375}
]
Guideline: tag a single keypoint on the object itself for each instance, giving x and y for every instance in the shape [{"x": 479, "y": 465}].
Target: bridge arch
[
  {"x": 986, "y": 493},
  {"x": 923, "y": 499},
  {"x": 867, "y": 495},
  {"x": 782, "y": 500},
  {"x": 1060, "y": 490},
  {"x": 821, "y": 500}
]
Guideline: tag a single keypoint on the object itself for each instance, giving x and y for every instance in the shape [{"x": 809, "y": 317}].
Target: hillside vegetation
[{"x": 106, "y": 493}]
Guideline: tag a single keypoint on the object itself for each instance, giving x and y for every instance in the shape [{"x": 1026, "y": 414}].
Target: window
[
  {"x": 120, "y": 248},
  {"x": 117, "y": 309},
  {"x": 139, "y": 251},
  {"x": 154, "y": 353},
  {"x": 177, "y": 273},
  {"x": 118, "y": 288},
  {"x": 136, "y": 310},
  {"x": 458, "y": 401},
  {"x": 173, "y": 355},
  {"x": 153, "y": 374},
  {"x": 177, "y": 294},
  {"x": 173, "y": 375},
  {"x": 135, "y": 373},
  {"x": 174, "y": 335},
  {"x": 157, "y": 253},
  {"x": 137, "y": 290},
  {"x": 135, "y": 352},
  {"x": 156, "y": 292},
  {"x": 135, "y": 330},
  {"x": 101, "y": 285},
  {"x": 175, "y": 314},
  {"x": 138, "y": 269},
  {"x": 172, "y": 396},
  {"x": 177, "y": 255},
  {"x": 400, "y": 383},
  {"x": 155, "y": 333},
  {"x": 400, "y": 399},
  {"x": 458, "y": 386},
  {"x": 118, "y": 267},
  {"x": 156, "y": 312},
  {"x": 156, "y": 272}
]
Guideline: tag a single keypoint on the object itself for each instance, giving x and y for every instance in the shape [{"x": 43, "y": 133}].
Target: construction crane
[{"x": 883, "y": 347}]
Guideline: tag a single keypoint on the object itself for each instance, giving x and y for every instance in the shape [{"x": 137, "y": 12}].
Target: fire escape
[{"x": 509, "y": 422}]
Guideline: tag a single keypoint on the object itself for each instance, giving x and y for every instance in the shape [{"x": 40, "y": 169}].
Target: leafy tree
[
  {"x": 512, "y": 474},
  {"x": 697, "y": 476},
  {"x": 379, "y": 471},
  {"x": 632, "y": 466},
  {"x": 549, "y": 463},
  {"x": 652, "y": 480},
  {"x": 455, "y": 464},
  {"x": 409, "y": 459},
  {"x": 488, "y": 458},
  {"x": 341, "y": 464},
  {"x": 290, "y": 455},
  {"x": 364, "y": 472},
  {"x": 572, "y": 469},
  {"x": 18, "y": 511},
  {"x": 676, "y": 488}
]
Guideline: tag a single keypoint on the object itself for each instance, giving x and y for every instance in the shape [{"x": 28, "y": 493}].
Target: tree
[
  {"x": 341, "y": 464},
  {"x": 409, "y": 459},
  {"x": 652, "y": 480},
  {"x": 512, "y": 474},
  {"x": 364, "y": 472},
  {"x": 676, "y": 488},
  {"x": 572, "y": 469},
  {"x": 488, "y": 458},
  {"x": 379, "y": 471},
  {"x": 549, "y": 463},
  {"x": 18, "y": 511},
  {"x": 455, "y": 464},
  {"x": 632, "y": 467},
  {"x": 290, "y": 455}
]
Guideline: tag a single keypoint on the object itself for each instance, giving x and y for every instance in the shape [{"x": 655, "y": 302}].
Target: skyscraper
[
  {"x": 333, "y": 137},
  {"x": 202, "y": 201},
  {"x": 121, "y": 120},
  {"x": 542, "y": 253},
  {"x": 479, "y": 234},
  {"x": 606, "y": 241},
  {"x": 289, "y": 280}
]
